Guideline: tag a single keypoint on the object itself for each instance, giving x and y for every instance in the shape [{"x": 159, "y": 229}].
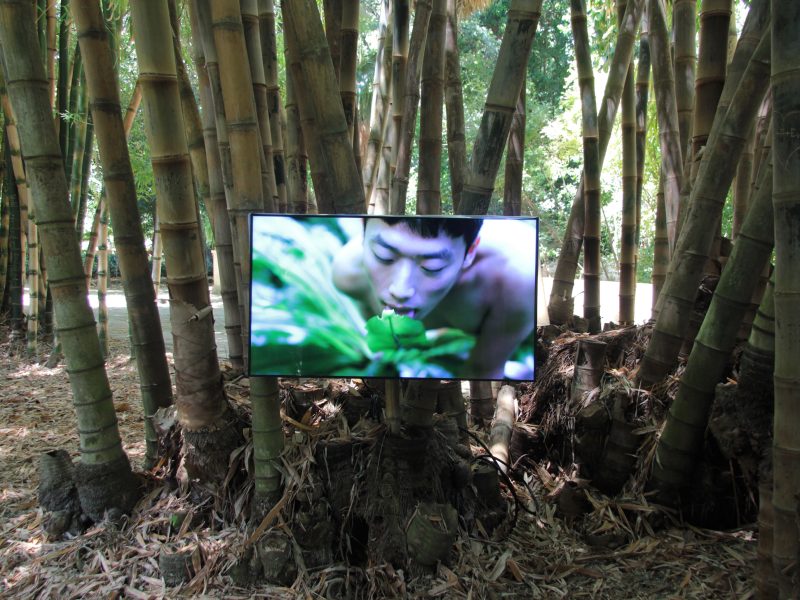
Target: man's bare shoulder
[{"x": 349, "y": 275}]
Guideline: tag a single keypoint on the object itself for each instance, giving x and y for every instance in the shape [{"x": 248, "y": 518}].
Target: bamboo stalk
[
  {"x": 36, "y": 302},
  {"x": 454, "y": 105},
  {"x": 102, "y": 284},
  {"x": 504, "y": 89},
  {"x": 515, "y": 156},
  {"x": 785, "y": 31},
  {"x": 630, "y": 216},
  {"x": 708, "y": 196},
  {"x": 503, "y": 425},
  {"x": 429, "y": 201},
  {"x": 560, "y": 303},
  {"x": 591, "y": 167},
  {"x": 379, "y": 108},
  {"x": 411, "y": 95}
]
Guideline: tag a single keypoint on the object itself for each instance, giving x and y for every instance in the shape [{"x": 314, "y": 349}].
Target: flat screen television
[{"x": 388, "y": 296}]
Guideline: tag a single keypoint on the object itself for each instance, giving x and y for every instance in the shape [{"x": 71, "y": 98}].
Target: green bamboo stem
[
  {"x": 102, "y": 284},
  {"x": 62, "y": 85},
  {"x": 252, "y": 37},
  {"x": 711, "y": 67},
  {"x": 269, "y": 56},
  {"x": 681, "y": 442},
  {"x": 217, "y": 204},
  {"x": 15, "y": 273},
  {"x": 429, "y": 201},
  {"x": 345, "y": 193},
  {"x": 684, "y": 15},
  {"x": 104, "y": 477},
  {"x": 708, "y": 195},
  {"x": 86, "y": 169},
  {"x": 515, "y": 155},
  {"x": 119, "y": 202},
  {"x": 158, "y": 253},
  {"x": 94, "y": 234},
  {"x": 332, "y": 11},
  {"x": 32, "y": 274},
  {"x": 504, "y": 89},
  {"x": 296, "y": 155},
  {"x": 560, "y": 303},
  {"x": 454, "y": 105},
  {"x": 379, "y": 107},
  {"x": 411, "y": 96},
  {"x": 209, "y": 427},
  {"x": 660, "y": 247},
  {"x": 786, "y": 199},
  {"x": 627, "y": 270},
  {"x": 348, "y": 62},
  {"x": 400, "y": 43},
  {"x": 591, "y": 167},
  {"x": 667, "y": 113}
]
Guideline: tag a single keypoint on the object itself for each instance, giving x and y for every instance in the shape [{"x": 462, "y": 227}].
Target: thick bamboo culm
[
  {"x": 346, "y": 194},
  {"x": 786, "y": 199},
  {"x": 515, "y": 155},
  {"x": 379, "y": 108},
  {"x": 684, "y": 15},
  {"x": 348, "y": 62},
  {"x": 501, "y": 98},
  {"x": 630, "y": 217},
  {"x": 269, "y": 56},
  {"x": 17, "y": 166},
  {"x": 454, "y": 106},
  {"x": 252, "y": 37},
  {"x": 296, "y": 156},
  {"x": 102, "y": 456},
  {"x": 591, "y": 167},
  {"x": 560, "y": 303},
  {"x": 667, "y": 113},
  {"x": 217, "y": 204},
  {"x": 411, "y": 95},
  {"x": 429, "y": 201},
  {"x": 683, "y": 435},
  {"x": 686, "y": 266}
]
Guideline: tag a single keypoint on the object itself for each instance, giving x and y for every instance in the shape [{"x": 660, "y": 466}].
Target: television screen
[{"x": 388, "y": 296}]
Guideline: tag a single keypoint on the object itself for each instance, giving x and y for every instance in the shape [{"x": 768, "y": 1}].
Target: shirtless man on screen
[{"x": 475, "y": 275}]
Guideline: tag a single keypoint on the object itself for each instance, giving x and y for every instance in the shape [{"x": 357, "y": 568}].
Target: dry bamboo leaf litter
[{"x": 542, "y": 557}]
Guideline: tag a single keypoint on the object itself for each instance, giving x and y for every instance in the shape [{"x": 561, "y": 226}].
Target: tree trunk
[
  {"x": 681, "y": 442},
  {"x": 504, "y": 89},
  {"x": 429, "y": 200},
  {"x": 103, "y": 476},
  {"x": 591, "y": 168},
  {"x": 209, "y": 426},
  {"x": 121, "y": 199},
  {"x": 560, "y": 304},
  {"x": 686, "y": 267},
  {"x": 786, "y": 198}
]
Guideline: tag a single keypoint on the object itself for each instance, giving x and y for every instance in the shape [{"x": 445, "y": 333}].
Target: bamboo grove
[{"x": 267, "y": 117}]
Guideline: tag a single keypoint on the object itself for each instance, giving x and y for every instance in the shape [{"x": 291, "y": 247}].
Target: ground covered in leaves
[{"x": 608, "y": 548}]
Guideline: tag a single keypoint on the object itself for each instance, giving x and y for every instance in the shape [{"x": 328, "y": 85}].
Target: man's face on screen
[{"x": 408, "y": 273}]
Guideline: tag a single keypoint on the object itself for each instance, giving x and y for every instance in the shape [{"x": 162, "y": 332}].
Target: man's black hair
[{"x": 431, "y": 227}]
